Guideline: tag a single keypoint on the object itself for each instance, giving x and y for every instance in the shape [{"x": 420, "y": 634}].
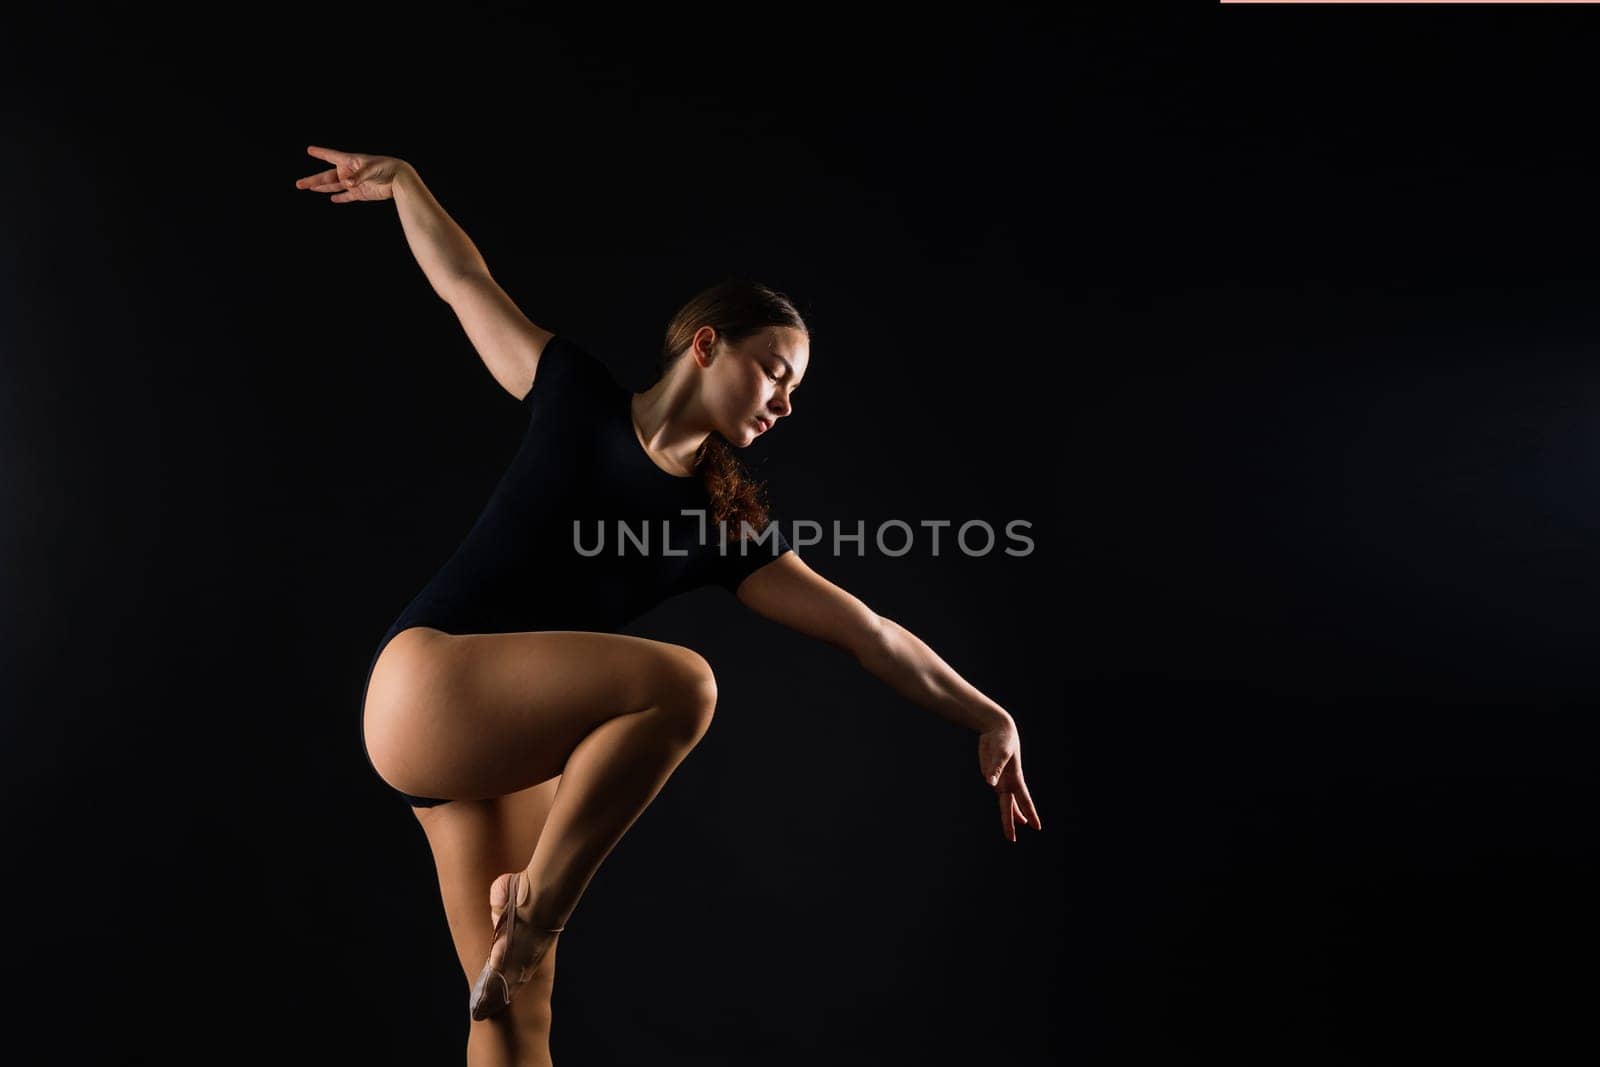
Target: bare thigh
[
  {"x": 474, "y": 716},
  {"x": 473, "y": 842}
]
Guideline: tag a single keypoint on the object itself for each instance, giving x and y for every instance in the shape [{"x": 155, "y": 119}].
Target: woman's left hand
[
  {"x": 353, "y": 177},
  {"x": 1000, "y": 762}
]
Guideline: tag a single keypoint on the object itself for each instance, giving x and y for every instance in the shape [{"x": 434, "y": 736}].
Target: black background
[{"x": 1276, "y": 323}]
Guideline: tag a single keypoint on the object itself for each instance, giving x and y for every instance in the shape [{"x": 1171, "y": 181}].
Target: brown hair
[{"x": 735, "y": 308}]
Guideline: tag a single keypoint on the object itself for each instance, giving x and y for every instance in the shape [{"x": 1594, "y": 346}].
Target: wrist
[
  {"x": 405, "y": 177},
  {"x": 993, "y": 717}
]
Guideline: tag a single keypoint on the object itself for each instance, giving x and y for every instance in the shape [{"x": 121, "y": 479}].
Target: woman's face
[{"x": 752, "y": 383}]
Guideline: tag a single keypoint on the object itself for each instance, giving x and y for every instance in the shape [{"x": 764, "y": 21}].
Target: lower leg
[
  {"x": 611, "y": 777},
  {"x": 519, "y": 1036}
]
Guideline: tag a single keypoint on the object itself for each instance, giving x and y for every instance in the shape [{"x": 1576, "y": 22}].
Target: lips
[{"x": 763, "y": 423}]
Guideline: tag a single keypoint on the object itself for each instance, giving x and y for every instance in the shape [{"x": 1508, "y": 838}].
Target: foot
[{"x": 519, "y": 945}]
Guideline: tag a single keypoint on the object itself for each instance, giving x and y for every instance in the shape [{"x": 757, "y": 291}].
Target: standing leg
[{"x": 473, "y": 841}]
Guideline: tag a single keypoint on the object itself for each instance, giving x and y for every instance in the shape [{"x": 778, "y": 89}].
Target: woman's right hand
[{"x": 353, "y": 177}]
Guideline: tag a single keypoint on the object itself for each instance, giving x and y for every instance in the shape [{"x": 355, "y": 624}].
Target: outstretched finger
[
  {"x": 332, "y": 155},
  {"x": 1007, "y": 826},
  {"x": 1027, "y": 804},
  {"x": 1017, "y": 814},
  {"x": 1026, "y": 813},
  {"x": 328, "y": 179}
]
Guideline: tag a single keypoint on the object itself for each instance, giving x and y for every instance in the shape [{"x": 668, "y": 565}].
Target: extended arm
[
  {"x": 788, "y": 591},
  {"x": 508, "y": 343},
  {"x": 505, "y": 339},
  {"x": 904, "y": 661},
  {"x": 443, "y": 249}
]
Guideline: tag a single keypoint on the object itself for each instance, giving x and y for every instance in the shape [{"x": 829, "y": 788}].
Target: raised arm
[
  {"x": 789, "y": 592},
  {"x": 507, "y": 342},
  {"x": 505, "y": 339},
  {"x": 443, "y": 250}
]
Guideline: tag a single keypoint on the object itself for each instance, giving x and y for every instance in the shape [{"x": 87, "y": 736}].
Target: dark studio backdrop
[
  {"x": 1336, "y": 505},
  {"x": 1276, "y": 324}
]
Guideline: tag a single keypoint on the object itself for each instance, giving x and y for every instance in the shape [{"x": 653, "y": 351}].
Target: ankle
[{"x": 535, "y": 910}]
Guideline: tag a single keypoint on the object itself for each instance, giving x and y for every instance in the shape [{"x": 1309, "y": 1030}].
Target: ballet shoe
[{"x": 491, "y": 993}]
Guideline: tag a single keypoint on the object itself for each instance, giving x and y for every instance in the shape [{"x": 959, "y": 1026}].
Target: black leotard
[{"x": 522, "y": 567}]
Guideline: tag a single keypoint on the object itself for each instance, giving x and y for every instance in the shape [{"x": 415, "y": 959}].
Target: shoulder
[{"x": 564, "y": 365}]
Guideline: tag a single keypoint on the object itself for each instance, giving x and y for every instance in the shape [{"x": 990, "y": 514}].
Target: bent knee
[{"x": 689, "y": 690}]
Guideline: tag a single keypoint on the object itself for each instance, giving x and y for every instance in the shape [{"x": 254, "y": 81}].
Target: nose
[{"x": 780, "y": 404}]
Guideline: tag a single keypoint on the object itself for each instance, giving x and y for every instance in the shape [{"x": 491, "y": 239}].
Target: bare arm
[
  {"x": 505, "y": 339},
  {"x": 900, "y": 658},
  {"x": 788, "y": 591},
  {"x": 508, "y": 343},
  {"x": 443, "y": 249}
]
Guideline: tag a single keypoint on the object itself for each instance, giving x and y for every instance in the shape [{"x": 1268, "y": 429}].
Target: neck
[{"x": 668, "y": 422}]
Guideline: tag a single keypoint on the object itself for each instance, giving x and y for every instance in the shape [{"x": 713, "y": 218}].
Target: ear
[{"x": 703, "y": 346}]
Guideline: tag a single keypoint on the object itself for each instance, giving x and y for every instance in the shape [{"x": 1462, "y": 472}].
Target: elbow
[{"x": 872, "y": 638}]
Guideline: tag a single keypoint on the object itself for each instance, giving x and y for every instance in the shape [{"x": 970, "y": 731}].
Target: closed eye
[{"x": 773, "y": 376}]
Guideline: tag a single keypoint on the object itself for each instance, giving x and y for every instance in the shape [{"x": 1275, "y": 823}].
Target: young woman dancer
[{"x": 524, "y": 732}]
